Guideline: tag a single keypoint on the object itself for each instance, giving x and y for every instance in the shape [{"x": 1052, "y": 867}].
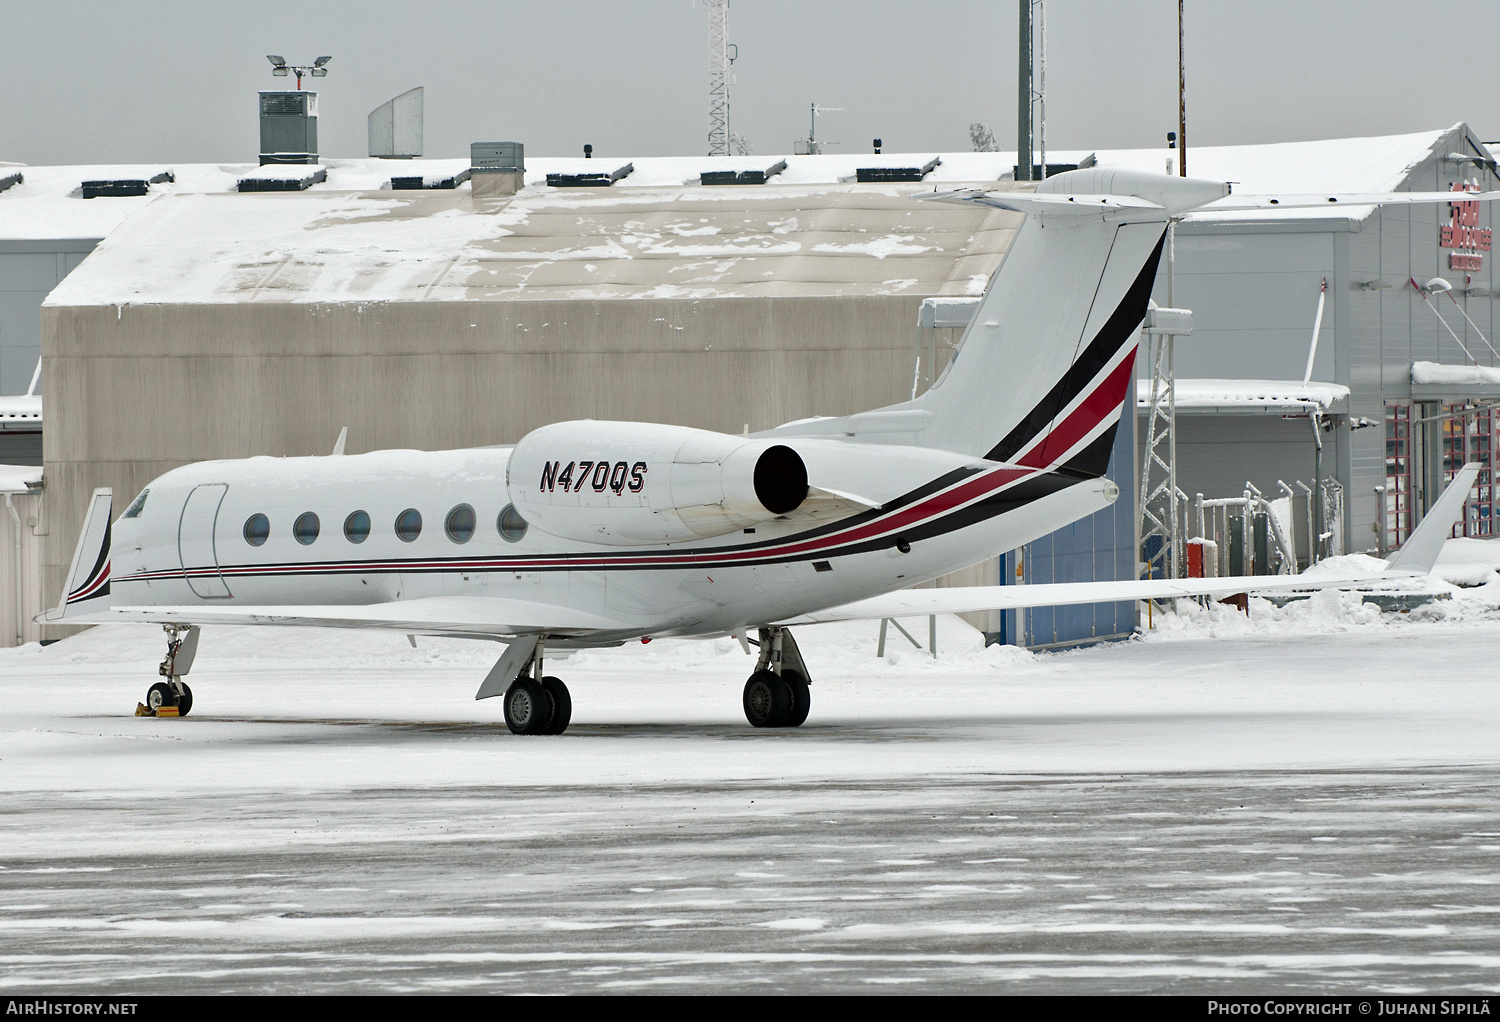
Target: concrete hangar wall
[
  {"x": 218, "y": 325},
  {"x": 1253, "y": 280}
]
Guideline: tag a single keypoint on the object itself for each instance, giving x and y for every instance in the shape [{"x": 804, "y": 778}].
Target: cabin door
[{"x": 195, "y": 540}]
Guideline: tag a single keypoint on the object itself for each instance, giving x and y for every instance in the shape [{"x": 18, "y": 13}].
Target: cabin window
[
  {"x": 511, "y": 525},
  {"x": 357, "y": 527},
  {"x": 409, "y": 525},
  {"x": 460, "y": 524},
  {"x": 305, "y": 528},
  {"x": 257, "y": 529},
  {"x": 134, "y": 510}
]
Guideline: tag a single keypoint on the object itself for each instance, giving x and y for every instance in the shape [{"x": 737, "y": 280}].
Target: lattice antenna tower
[{"x": 720, "y": 56}]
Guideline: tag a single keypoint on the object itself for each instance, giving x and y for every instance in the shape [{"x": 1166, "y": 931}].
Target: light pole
[{"x": 280, "y": 68}]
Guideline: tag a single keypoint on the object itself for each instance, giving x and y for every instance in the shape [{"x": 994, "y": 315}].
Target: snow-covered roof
[
  {"x": 19, "y": 478},
  {"x": 1251, "y": 397},
  {"x": 21, "y": 412},
  {"x": 1436, "y": 374},
  {"x": 658, "y": 232}
]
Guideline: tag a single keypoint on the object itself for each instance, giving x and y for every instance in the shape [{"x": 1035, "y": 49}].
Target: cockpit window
[{"x": 134, "y": 510}]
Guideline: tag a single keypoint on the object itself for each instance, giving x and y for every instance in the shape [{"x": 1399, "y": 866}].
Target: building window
[
  {"x": 257, "y": 529},
  {"x": 305, "y": 528},
  {"x": 460, "y": 524},
  {"x": 511, "y": 525},
  {"x": 409, "y": 525},
  {"x": 1469, "y": 435},
  {"x": 357, "y": 527},
  {"x": 1398, "y": 489}
]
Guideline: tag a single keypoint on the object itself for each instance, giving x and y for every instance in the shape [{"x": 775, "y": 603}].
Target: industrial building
[{"x": 733, "y": 293}]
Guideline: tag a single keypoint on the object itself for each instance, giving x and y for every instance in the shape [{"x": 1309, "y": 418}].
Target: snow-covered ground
[{"x": 1304, "y": 799}]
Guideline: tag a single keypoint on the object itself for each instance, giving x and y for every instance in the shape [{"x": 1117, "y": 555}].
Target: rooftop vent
[
  {"x": 496, "y": 168},
  {"x": 590, "y": 178},
  {"x": 395, "y": 127},
  {"x": 8, "y": 178},
  {"x": 438, "y": 179},
  {"x": 749, "y": 176},
  {"x": 126, "y": 186},
  {"x": 283, "y": 179},
  {"x": 288, "y": 127},
  {"x": 872, "y": 174}
]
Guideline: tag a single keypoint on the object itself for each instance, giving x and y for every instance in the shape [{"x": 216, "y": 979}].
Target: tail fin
[
  {"x": 1419, "y": 553},
  {"x": 87, "y": 588},
  {"x": 1049, "y": 357}
]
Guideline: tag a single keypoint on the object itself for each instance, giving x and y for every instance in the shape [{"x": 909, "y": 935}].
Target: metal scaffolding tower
[
  {"x": 718, "y": 77},
  {"x": 1159, "y": 511}
]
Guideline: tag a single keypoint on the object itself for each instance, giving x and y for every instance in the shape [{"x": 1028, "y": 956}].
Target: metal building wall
[
  {"x": 16, "y": 622},
  {"x": 1099, "y": 547},
  {"x": 28, "y": 271}
]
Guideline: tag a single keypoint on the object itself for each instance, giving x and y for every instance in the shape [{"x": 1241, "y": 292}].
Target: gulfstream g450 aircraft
[{"x": 591, "y": 533}]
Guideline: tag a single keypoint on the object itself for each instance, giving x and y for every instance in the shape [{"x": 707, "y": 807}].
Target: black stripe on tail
[{"x": 1114, "y": 335}]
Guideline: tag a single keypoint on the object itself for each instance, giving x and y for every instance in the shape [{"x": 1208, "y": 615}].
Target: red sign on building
[{"x": 1463, "y": 232}]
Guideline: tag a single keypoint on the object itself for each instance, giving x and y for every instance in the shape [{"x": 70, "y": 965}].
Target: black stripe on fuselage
[{"x": 1115, "y": 334}]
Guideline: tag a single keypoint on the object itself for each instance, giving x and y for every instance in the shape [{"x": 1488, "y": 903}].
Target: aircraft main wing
[
  {"x": 966, "y": 599},
  {"x": 1416, "y": 557},
  {"x": 478, "y": 616}
]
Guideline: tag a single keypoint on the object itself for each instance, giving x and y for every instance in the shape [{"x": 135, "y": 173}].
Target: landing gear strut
[
  {"x": 777, "y": 694},
  {"x": 173, "y": 693},
  {"x": 536, "y": 704}
]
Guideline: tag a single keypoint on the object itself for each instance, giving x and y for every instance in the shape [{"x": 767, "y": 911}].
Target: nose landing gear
[{"x": 777, "y": 694}]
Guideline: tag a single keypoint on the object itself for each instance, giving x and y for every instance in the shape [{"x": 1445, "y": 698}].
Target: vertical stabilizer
[
  {"x": 1048, "y": 360},
  {"x": 87, "y": 588}
]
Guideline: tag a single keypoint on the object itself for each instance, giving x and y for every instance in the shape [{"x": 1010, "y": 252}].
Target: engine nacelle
[{"x": 634, "y": 482}]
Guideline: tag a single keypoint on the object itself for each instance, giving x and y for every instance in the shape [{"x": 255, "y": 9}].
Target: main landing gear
[
  {"x": 535, "y": 704},
  {"x": 777, "y": 694},
  {"x": 172, "y": 697},
  {"x": 535, "y": 707}
]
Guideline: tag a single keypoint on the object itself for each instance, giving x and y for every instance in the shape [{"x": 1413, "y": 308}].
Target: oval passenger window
[
  {"x": 357, "y": 527},
  {"x": 511, "y": 525},
  {"x": 305, "y": 528},
  {"x": 460, "y": 524},
  {"x": 257, "y": 529},
  {"x": 409, "y": 525}
]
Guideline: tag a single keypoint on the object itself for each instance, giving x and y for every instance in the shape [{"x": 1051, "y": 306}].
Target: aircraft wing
[
  {"x": 1416, "y": 557},
  {"x": 478, "y": 616},
  {"x": 965, "y": 599}
]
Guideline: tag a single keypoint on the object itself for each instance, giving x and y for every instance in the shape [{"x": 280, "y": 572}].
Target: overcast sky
[{"x": 157, "y": 80}]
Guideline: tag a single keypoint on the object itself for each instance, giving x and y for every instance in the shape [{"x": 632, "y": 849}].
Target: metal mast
[
  {"x": 718, "y": 77},
  {"x": 1024, "y": 96},
  {"x": 1181, "y": 100}
]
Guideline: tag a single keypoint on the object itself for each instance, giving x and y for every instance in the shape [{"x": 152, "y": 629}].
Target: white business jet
[{"x": 588, "y": 534}]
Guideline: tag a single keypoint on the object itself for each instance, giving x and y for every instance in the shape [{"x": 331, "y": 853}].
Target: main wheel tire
[
  {"x": 562, "y": 705},
  {"x": 528, "y": 708},
  {"x": 801, "y": 698},
  {"x": 158, "y": 695},
  {"x": 767, "y": 699},
  {"x": 184, "y": 701}
]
